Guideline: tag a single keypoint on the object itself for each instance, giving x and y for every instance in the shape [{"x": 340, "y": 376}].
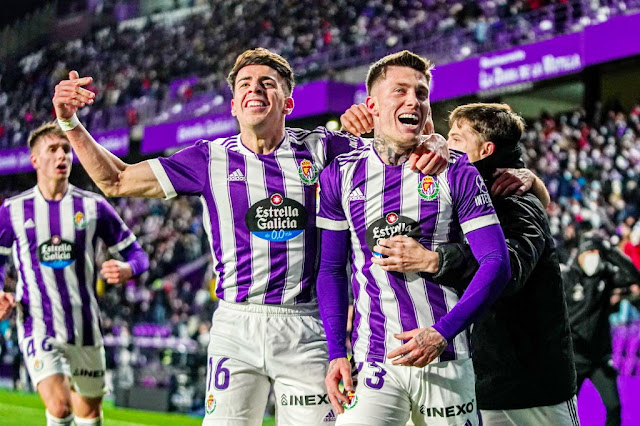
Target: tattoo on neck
[{"x": 388, "y": 154}]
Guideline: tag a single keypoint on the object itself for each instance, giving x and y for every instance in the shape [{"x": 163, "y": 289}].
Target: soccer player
[
  {"x": 52, "y": 229},
  {"x": 403, "y": 319}
]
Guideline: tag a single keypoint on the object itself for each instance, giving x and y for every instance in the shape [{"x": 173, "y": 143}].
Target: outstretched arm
[
  {"x": 113, "y": 176},
  {"x": 519, "y": 181}
]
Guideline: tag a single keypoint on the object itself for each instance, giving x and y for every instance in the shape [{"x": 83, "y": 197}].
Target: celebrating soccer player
[
  {"x": 51, "y": 230},
  {"x": 405, "y": 319}
]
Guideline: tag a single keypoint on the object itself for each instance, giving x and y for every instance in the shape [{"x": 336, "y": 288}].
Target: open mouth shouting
[{"x": 411, "y": 121}]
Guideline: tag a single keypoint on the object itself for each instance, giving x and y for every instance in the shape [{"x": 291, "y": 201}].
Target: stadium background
[{"x": 570, "y": 67}]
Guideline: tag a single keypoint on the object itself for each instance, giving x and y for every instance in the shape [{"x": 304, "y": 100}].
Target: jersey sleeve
[
  {"x": 183, "y": 173},
  {"x": 340, "y": 143},
  {"x": 112, "y": 230},
  {"x": 7, "y": 236},
  {"x": 471, "y": 198},
  {"x": 330, "y": 214},
  {"x": 6, "y": 239}
]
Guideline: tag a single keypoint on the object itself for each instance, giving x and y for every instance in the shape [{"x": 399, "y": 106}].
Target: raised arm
[
  {"x": 519, "y": 181},
  {"x": 113, "y": 176}
]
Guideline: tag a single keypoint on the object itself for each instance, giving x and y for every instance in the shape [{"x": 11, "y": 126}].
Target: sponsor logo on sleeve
[{"x": 483, "y": 196}]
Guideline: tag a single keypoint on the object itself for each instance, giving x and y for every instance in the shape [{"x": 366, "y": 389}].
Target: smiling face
[
  {"x": 259, "y": 100},
  {"x": 51, "y": 156},
  {"x": 399, "y": 103}
]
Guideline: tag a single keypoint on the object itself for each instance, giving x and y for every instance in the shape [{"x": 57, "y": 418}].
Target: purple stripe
[
  {"x": 24, "y": 300},
  {"x": 239, "y": 201},
  {"x": 311, "y": 248},
  {"x": 274, "y": 182},
  {"x": 435, "y": 294},
  {"x": 357, "y": 209},
  {"x": 87, "y": 323},
  {"x": 377, "y": 320},
  {"x": 63, "y": 289},
  {"x": 392, "y": 201},
  {"x": 29, "y": 213}
]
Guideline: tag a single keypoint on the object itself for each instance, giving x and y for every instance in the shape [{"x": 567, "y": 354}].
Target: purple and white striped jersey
[
  {"x": 53, "y": 245},
  {"x": 359, "y": 193},
  {"x": 259, "y": 210}
]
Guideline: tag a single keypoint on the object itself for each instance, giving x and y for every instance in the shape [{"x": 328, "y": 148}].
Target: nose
[{"x": 255, "y": 87}]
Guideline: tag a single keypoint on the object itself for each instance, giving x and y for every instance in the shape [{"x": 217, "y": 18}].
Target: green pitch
[{"x": 26, "y": 409}]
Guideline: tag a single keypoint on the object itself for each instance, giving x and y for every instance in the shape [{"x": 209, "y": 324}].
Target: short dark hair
[
  {"x": 401, "y": 59},
  {"x": 493, "y": 122},
  {"x": 45, "y": 129},
  {"x": 261, "y": 56}
]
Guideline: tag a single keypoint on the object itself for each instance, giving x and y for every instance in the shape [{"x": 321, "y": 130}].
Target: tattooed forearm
[{"x": 387, "y": 152}]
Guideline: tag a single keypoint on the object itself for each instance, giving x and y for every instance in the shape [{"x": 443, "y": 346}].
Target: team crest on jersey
[
  {"x": 38, "y": 364},
  {"x": 276, "y": 218},
  {"x": 210, "y": 404},
  {"x": 428, "y": 188},
  {"x": 56, "y": 253},
  {"x": 79, "y": 220},
  {"x": 308, "y": 172},
  {"x": 353, "y": 400}
]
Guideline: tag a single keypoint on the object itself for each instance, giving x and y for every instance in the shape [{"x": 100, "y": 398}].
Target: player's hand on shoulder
[
  {"x": 70, "y": 95},
  {"x": 431, "y": 157},
  {"x": 357, "y": 120},
  {"x": 423, "y": 347},
  {"x": 116, "y": 271},
  {"x": 7, "y": 303},
  {"x": 339, "y": 369},
  {"x": 512, "y": 181}
]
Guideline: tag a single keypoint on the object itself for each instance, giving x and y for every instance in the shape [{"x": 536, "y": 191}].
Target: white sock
[
  {"x": 54, "y": 421},
  {"x": 96, "y": 421}
]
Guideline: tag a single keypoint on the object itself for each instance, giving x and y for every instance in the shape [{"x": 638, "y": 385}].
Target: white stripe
[
  {"x": 479, "y": 222},
  {"x": 218, "y": 167},
  {"x": 206, "y": 224},
  {"x": 163, "y": 179},
  {"x": 411, "y": 203},
  {"x": 90, "y": 206},
  {"x": 373, "y": 211},
  {"x": 67, "y": 231},
  {"x": 43, "y": 233},
  {"x": 117, "y": 248},
  {"x": 445, "y": 212},
  {"x": 260, "y": 259},
  {"x": 5, "y": 251},
  {"x": 296, "y": 253},
  {"x": 332, "y": 225}
]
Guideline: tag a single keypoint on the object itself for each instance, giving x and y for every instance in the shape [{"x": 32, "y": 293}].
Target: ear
[
  {"x": 233, "y": 108},
  {"x": 34, "y": 161},
  {"x": 288, "y": 105},
  {"x": 372, "y": 105},
  {"x": 488, "y": 148}
]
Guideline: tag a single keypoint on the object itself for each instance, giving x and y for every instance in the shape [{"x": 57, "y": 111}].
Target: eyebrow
[{"x": 261, "y": 78}]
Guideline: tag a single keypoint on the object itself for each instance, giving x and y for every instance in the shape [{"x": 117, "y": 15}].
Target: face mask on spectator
[{"x": 590, "y": 263}]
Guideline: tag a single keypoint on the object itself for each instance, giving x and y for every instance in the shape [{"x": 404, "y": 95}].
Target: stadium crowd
[{"x": 138, "y": 70}]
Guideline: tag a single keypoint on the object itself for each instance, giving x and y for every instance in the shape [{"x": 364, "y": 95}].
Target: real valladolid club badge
[
  {"x": 79, "y": 220},
  {"x": 428, "y": 188},
  {"x": 308, "y": 172}
]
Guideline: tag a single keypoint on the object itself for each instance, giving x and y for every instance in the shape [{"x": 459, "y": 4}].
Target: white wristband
[{"x": 69, "y": 124}]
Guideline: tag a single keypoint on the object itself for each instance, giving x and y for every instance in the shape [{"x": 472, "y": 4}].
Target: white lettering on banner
[
  {"x": 492, "y": 61},
  {"x": 547, "y": 66},
  {"x": 115, "y": 142},
  {"x": 206, "y": 129},
  {"x": 15, "y": 161}
]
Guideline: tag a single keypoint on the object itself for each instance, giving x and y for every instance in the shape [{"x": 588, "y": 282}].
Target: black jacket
[
  {"x": 588, "y": 304},
  {"x": 522, "y": 352}
]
